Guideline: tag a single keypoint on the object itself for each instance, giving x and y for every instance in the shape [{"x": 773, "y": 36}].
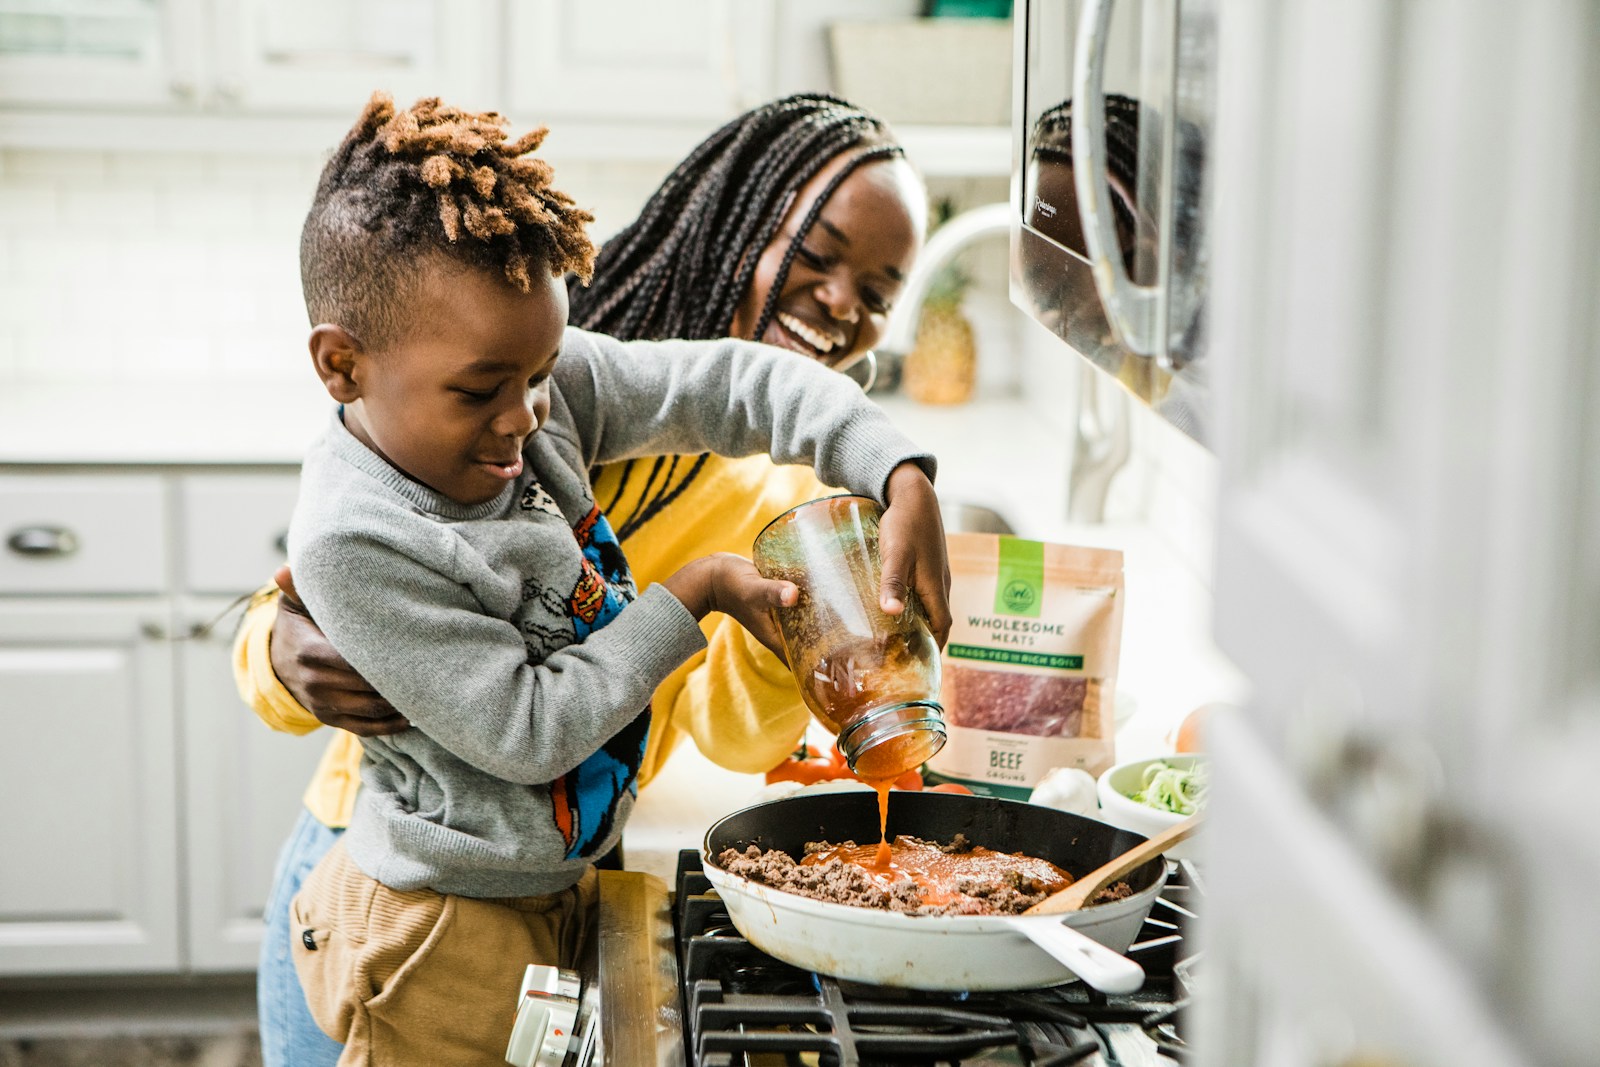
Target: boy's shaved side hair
[{"x": 432, "y": 180}]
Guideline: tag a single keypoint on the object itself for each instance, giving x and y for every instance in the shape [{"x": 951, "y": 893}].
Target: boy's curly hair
[{"x": 431, "y": 179}]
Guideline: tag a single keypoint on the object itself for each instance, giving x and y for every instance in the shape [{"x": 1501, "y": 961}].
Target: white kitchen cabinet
[
  {"x": 162, "y": 800},
  {"x": 702, "y": 60},
  {"x": 242, "y": 786},
  {"x": 680, "y": 59},
  {"x": 242, "y": 780},
  {"x": 624, "y": 80},
  {"x": 235, "y": 529},
  {"x": 83, "y": 533},
  {"x": 1408, "y": 559},
  {"x": 328, "y": 56},
  {"x": 88, "y": 761},
  {"x": 231, "y": 56},
  {"x": 111, "y": 53}
]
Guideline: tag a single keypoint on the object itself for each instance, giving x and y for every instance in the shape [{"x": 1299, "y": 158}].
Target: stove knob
[{"x": 547, "y": 1016}]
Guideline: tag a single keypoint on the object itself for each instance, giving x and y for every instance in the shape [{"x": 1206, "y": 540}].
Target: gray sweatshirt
[{"x": 509, "y": 632}]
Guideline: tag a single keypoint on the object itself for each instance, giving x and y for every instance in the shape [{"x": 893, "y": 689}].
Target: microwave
[{"x": 1112, "y": 108}]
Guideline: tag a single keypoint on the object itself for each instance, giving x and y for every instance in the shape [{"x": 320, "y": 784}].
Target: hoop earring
[{"x": 864, "y": 371}]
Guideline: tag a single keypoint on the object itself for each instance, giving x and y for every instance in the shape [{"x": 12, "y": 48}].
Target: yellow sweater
[{"x": 735, "y": 699}]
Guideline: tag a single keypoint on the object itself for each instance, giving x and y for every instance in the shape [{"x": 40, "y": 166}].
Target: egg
[{"x": 1190, "y": 736}]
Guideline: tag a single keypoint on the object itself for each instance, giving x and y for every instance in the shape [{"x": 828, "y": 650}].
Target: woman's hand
[
  {"x": 911, "y": 547},
  {"x": 730, "y": 584},
  {"x": 318, "y": 677}
]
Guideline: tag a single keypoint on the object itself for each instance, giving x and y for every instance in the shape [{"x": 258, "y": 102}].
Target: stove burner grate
[{"x": 742, "y": 1007}]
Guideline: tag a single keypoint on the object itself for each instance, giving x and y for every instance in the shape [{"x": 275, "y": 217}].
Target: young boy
[{"x": 447, "y": 541}]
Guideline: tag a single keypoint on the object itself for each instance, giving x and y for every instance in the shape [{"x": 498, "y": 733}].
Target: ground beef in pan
[{"x": 843, "y": 882}]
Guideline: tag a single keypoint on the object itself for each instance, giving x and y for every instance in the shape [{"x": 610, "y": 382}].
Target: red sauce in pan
[{"x": 936, "y": 873}]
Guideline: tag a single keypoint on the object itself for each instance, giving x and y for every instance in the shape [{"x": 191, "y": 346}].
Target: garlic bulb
[{"x": 1068, "y": 789}]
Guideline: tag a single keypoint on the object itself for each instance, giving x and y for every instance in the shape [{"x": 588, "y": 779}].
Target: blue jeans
[{"x": 289, "y": 1036}]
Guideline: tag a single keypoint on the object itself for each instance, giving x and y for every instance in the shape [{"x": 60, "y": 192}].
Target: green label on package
[
  {"x": 1020, "y": 589},
  {"x": 1052, "y": 660}
]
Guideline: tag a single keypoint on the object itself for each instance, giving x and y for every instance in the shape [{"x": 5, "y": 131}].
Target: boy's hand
[
  {"x": 912, "y": 548},
  {"x": 318, "y": 677},
  {"x": 730, "y": 584}
]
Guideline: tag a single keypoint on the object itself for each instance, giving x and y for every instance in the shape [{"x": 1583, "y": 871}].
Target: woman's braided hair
[
  {"x": 682, "y": 267},
  {"x": 1052, "y": 139},
  {"x": 430, "y": 179}
]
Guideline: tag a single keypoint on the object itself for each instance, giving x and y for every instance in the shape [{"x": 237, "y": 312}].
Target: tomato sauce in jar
[{"x": 870, "y": 677}]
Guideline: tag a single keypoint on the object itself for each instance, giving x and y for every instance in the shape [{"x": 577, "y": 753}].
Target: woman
[{"x": 794, "y": 224}]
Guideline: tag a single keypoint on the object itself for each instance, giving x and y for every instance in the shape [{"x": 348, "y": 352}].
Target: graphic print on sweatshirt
[
  {"x": 534, "y": 498},
  {"x": 585, "y": 798}
]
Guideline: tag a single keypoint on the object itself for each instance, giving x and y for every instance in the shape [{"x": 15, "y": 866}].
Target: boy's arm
[
  {"x": 252, "y": 668},
  {"x": 735, "y": 398},
  {"x": 737, "y": 703},
  {"x": 422, "y": 640}
]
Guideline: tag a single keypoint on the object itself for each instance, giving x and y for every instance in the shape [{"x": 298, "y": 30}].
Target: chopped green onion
[{"x": 1175, "y": 789}]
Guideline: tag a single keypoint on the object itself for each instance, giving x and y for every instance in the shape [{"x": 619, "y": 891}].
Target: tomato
[
  {"x": 912, "y": 779},
  {"x": 812, "y": 766},
  {"x": 815, "y": 766},
  {"x": 950, "y": 787}
]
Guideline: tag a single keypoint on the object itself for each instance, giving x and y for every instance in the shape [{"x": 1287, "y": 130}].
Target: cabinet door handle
[{"x": 43, "y": 541}]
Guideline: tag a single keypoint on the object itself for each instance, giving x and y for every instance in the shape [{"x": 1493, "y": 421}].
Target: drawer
[
  {"x": 233, "y": 529},
  {"x": 82, "y": 533}
]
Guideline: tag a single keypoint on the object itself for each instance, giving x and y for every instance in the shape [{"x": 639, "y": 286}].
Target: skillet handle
[{"x": 1105, "y": 970}]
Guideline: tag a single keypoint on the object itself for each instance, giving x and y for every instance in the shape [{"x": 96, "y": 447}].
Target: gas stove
[
  {"x": 742, "y": 1008},
  {"x": 666, "y": 980}
]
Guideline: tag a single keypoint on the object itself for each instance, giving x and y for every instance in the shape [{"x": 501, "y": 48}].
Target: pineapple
[{"x": 942, "y": 366}]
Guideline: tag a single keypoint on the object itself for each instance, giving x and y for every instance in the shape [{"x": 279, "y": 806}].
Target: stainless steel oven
[{"x": 1111, "y": 122}]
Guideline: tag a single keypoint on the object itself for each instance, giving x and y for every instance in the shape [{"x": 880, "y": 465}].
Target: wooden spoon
[{"x": 1076, "y": 895}]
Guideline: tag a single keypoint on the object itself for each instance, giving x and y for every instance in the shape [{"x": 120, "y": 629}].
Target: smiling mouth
[
  {"x": 508, "y": 469},
  {"x": 809, "y": 339}
]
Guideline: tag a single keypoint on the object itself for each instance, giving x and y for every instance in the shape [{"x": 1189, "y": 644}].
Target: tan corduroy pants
[{"x": 420, "y": 978}]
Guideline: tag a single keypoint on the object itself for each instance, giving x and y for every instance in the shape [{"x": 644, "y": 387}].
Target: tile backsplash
[
  {"x": 127, "y": 267},
  {"x": 140, "y": 266},
  {"x": 1179, "y": 491}
]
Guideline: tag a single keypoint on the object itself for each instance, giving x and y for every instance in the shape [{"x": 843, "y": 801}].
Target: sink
[{"x": 974, "y": 518}]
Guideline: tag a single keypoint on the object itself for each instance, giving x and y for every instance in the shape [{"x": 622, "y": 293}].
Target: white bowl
[{"x": 1117, "y": 806}]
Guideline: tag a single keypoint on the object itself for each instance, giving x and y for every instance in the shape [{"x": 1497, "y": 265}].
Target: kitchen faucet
[{"x": 1102, "y": 443}]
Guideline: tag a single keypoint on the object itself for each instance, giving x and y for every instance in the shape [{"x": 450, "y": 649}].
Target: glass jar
[{"x": 870, "y": 677}]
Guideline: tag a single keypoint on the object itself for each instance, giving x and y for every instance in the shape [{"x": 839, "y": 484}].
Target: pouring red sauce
[{"x": 881, "y": 859}]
